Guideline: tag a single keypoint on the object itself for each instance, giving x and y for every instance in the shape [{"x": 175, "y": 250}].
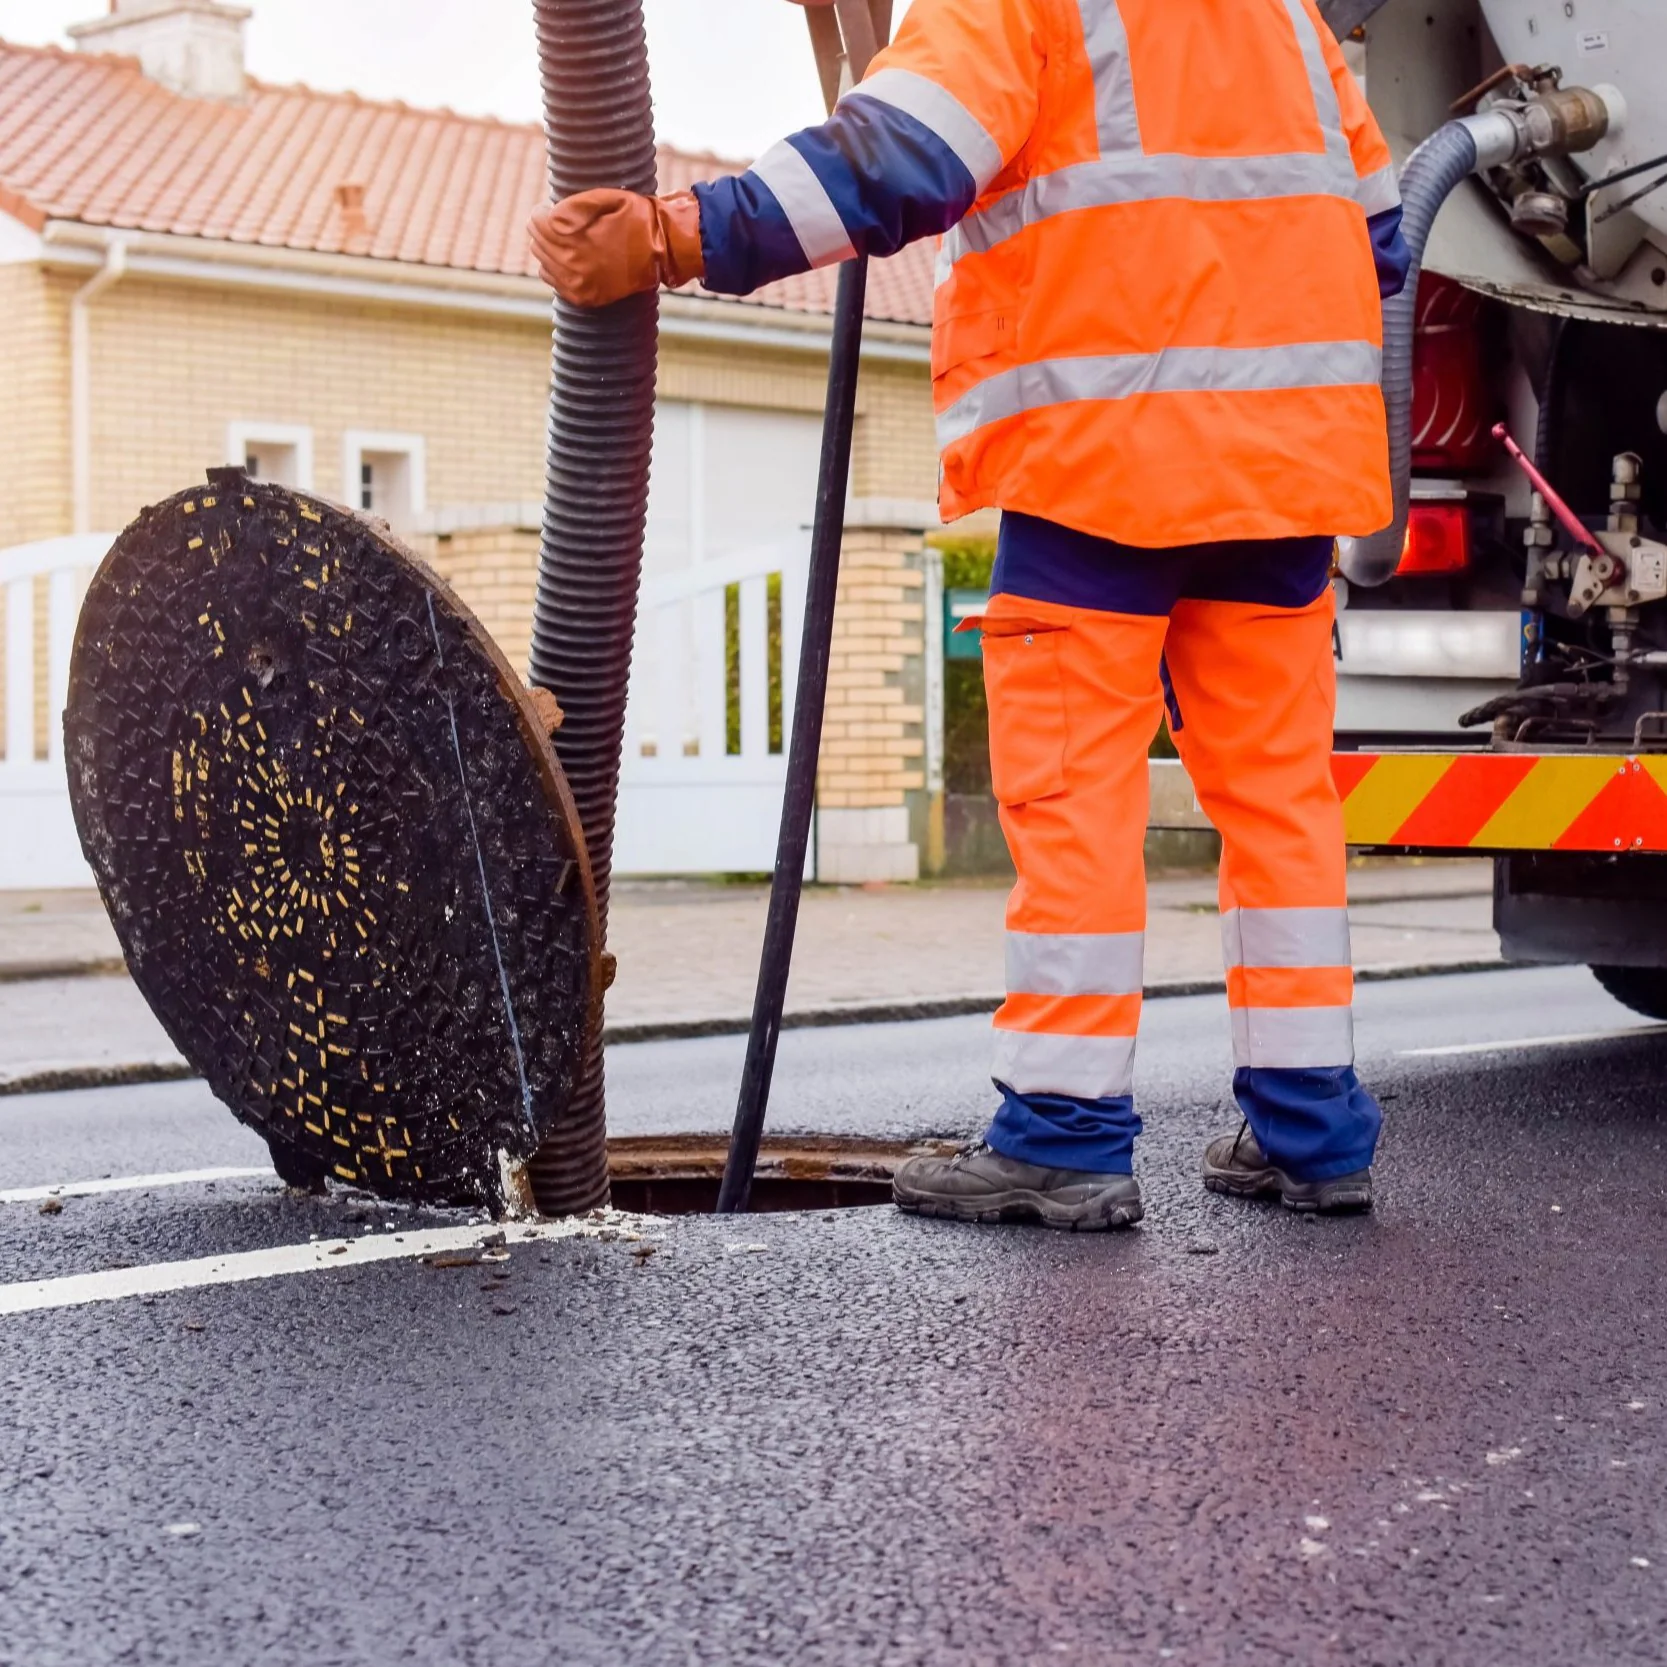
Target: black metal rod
[{"x": 799, "y": 801}]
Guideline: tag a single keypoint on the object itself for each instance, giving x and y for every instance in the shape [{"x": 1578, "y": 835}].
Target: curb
[
  {"x": 27, "y": 972},
  {"x": 955, "y": 1007},
  {"x": 113, "y": 966},
  {"x": 58, "y": 1079}
]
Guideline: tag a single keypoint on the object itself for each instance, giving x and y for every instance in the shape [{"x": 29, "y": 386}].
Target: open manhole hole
[{"x": 678, "y": 1175}]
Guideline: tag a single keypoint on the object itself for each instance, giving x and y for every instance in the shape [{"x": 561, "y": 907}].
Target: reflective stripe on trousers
[
  {"x": 1074, "y": 698},
  {"x": 1289, "y": 986},
  {"x": 1073, "y": 1007}
]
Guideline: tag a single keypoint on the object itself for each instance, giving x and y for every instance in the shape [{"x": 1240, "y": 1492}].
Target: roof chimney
[
  {"x": 355, "y": 228},
  {"x": 192, "y": 47}
]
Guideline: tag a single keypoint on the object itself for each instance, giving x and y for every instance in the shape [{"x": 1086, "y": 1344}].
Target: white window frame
[
  {"x": 357, "y": 441},
  {"x": 240, "y": 436}
]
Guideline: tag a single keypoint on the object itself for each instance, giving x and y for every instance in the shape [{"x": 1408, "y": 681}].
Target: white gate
[
  {"x": 688, "y": 804},
  {"x": 38, "y": 844}
]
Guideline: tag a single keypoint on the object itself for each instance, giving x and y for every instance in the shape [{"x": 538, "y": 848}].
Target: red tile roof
[{"x": 88, "y": 138}]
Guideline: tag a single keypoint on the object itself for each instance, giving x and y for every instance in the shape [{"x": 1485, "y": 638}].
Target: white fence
[
  {"x": 687, "y": 804},
  {"x": 38, "y": 844}
]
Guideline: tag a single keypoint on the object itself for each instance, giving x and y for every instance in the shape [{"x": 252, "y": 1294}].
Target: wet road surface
[{"x": 1434, "y": 1435}]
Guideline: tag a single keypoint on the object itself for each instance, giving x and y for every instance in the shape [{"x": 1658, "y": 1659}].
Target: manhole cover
[
  {"x": 679, "y": 1174},
  {"x": 333, "y": 839}
]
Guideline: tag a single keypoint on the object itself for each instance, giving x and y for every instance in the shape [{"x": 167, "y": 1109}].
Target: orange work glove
[{"x": 600, "y": 246}]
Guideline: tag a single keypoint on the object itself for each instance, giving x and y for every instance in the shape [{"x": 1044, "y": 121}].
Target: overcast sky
[{"x": 729, "y": 75}]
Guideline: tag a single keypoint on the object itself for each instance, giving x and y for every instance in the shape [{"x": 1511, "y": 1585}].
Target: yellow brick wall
[
  {"x": 895, "y": 452},
  {"x": 174, "y": 364},
  {"x": 494, "y": 571},
  {"x": 34, "y": 445},
  {"x": 872, "y": 745},
  {"x": 34, "y": 406}
]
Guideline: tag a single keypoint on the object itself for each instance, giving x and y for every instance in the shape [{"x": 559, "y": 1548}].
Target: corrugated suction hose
[
  {"x": 599, "y": 120},
  {"x": 1433, "y": 172}
]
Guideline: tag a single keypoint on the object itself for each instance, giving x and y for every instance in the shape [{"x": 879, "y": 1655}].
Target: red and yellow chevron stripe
[{"x": 1503, "y": 801}]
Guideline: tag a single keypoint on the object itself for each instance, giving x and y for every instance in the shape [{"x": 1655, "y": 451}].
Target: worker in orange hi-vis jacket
[{"x": 1167, "y": 228}]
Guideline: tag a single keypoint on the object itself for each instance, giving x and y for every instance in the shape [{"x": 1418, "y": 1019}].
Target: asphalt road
[{"x": 1233, "y": 1435}]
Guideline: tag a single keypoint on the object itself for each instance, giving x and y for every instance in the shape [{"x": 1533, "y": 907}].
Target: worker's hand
[{"x": 601, "y": 246}]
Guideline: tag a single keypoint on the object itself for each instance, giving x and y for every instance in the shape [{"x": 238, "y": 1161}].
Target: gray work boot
[
  {"x": 979, "y": 1184},
  {"x": 1236, "y": 1164}
]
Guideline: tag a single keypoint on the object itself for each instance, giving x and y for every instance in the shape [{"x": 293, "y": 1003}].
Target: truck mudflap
[{"x": 1493, "y": 802}]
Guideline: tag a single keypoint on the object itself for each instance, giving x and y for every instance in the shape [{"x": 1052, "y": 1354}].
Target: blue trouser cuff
[
  {"x": 1313, "y": 1124},
  {"x": 1059, "y": 1131}
]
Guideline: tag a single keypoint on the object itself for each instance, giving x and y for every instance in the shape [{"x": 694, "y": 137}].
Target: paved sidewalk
[
  {"x": 688, "y": 958},
  {"x": 688, "y": 951}
]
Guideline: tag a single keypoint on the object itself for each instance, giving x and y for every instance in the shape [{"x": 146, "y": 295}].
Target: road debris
[{"x": 52, "y": 1206}]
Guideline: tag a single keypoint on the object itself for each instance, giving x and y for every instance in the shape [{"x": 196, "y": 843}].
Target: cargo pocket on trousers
[{"x": 1026, "y": 691}]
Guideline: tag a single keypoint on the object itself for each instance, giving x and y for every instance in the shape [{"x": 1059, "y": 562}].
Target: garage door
[{"x": 717, "y": 640}]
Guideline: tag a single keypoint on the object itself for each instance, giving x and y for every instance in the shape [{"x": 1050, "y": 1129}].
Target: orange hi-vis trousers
[{"x": 1075, "y": 696}]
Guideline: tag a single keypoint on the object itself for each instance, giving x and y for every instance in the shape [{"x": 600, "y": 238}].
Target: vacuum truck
[{"x": 1502, "y": 646}]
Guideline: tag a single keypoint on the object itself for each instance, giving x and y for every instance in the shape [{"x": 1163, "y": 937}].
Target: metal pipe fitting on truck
[{"x": 1555, "y": 121}]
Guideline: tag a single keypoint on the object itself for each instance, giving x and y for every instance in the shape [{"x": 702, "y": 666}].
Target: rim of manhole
[{"x": 680, "y": 1174}]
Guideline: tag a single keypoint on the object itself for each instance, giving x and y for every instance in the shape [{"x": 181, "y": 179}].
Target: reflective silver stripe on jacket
[
  {"x": 1140, "y": 178},
  {"x": 1094, "y": 1067},
  {"x": 1051, "y": 382},
  {"x": 806, "y": 203},
  {"x": 937, "y": 109},
  {"x": 1108, "y": 57},
  {"x": 1326, "y": 107},
  {"x": 1378, "y": 193},
  {"x": 1125, "y": 172},
  {"x": 1293, "y": 1038},
  {"x": 1075, "y": 963},
  {"x": 1285, "y": 937}
]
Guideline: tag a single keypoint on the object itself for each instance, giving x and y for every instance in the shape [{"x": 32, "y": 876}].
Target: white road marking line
[
  {"x": 317, "y": 1256},
  {"x": 129, "y": 1183},
  {"x": 1533, "y": 1042}
]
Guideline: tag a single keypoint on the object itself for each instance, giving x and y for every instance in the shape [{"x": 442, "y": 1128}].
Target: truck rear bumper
[
  {"x": 1581, "y": 839},
  {"x": 1500, "y": 802},
  {"x": 1475, "y": 803}
]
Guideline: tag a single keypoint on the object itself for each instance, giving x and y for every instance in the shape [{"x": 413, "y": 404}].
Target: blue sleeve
[
  {"x": 1389, "y": 250},
  {"x": 867, "y": 181}
]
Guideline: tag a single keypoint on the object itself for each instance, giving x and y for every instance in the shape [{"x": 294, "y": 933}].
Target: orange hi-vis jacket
[{"x": 1158, "y": 318}]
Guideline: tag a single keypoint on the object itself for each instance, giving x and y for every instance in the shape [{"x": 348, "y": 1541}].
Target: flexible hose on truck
[
  {"x": 599, "y": 121},
  {"x": 1433, "y": 172}
]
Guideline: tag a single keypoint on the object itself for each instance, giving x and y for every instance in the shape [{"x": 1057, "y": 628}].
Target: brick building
[{"x": 197, "y": 267}]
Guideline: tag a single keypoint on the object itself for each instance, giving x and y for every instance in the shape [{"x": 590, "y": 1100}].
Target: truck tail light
[{"x": 1437, "y": 542}]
